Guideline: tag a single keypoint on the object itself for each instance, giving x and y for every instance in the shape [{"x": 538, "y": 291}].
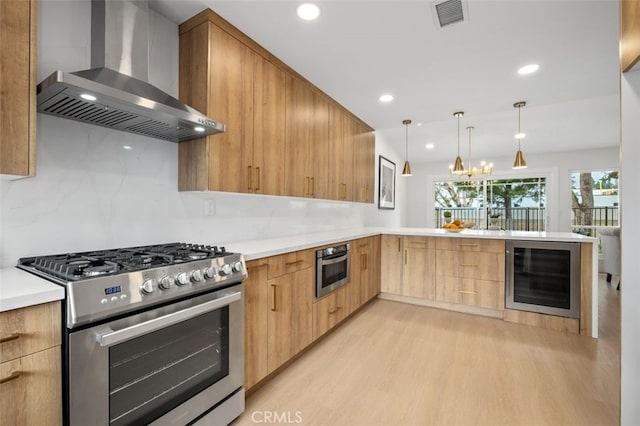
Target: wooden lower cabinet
[
  {"x": 470, "y": 272},
  {"x": 364, "y": 271},
  {"x": 256, "y": 315},
  {"x": 418, "y": 274},
  {"x": 391, "y": 258},
  {"x": 30, "y": 366},
  {"x": 31, "y": 389},
  {"x": 330, "y": 310},
  {"x": 290, "y": 316}
]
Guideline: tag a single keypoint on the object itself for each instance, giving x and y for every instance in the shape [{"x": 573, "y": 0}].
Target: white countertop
[
  {"x": 19, "y": 289},
  {"x": 257, "y": 249}
]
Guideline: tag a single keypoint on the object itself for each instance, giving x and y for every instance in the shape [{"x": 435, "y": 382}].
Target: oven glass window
[
  {"x": 154, "y": 373},
  {"x": 542, "y": 277},
  {"x": 333, "y": 273}
]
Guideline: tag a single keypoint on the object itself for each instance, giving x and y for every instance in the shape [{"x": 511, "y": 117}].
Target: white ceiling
[{"x": 359, "y": 49}]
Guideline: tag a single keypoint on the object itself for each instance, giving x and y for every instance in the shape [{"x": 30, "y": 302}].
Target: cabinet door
[
  {"x": 391, "y": 258},
  {"x": 266, "y": 175},
  {"x": 17, "y": 84},
  {"x": 318, "y": 160},
  {"x": 371, "y": 286},
  {"x": 364, "y": 166},
  {"x": 418, "y": 275},
  {"x": 230, "y": 101},
  {"x": 299, "y": 107},
  {"x": 31, "y": 390},
  {"x": 290, "y": 319},
  {"x": 329, "y": 311},
  {"x": 256, "y": 311}
]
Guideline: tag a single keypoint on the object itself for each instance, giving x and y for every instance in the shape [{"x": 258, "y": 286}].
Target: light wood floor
[{"x": 397, "y": 364}]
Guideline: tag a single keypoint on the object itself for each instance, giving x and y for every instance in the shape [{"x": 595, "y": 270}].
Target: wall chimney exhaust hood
[{"x": 115, "y": 93}]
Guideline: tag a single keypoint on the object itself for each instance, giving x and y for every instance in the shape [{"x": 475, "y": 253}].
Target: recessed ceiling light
[
  {"x": 308, "y": 11},
  {"x": 429, "y": 146},
  {"x": 88, "y": 97},
  {"x": 528, "y": 69},
  {"x": 386, "y": 98},
  {"x": 126, "y": 147}
]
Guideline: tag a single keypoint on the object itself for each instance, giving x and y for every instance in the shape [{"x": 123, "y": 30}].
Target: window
[
  {"x": 594, "y": 200},
  {"x": 519, "y": 202}
]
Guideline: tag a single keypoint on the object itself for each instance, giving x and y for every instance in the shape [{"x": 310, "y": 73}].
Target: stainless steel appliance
[
  {"x": 332, "y": 268},
  {"x": 543, "y": 277},
  {"x": 152, "y": 335},
  {"x": 115, "y": 92}
]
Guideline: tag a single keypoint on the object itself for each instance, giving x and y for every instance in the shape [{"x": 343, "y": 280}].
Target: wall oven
[
  {"x": 332, "y": 268},
  {"x": 543, "y": 277},
  {"x": 152, "y": 335}
]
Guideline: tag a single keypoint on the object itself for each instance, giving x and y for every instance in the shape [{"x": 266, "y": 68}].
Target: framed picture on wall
[{"x": 386, "y": 184}]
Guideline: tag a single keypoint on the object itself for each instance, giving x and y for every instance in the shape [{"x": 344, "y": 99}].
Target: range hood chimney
[{"x": 115, "y": 92}]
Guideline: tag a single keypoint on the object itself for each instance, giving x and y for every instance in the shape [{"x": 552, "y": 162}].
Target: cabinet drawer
[
  {"x": 420, "y": 242},
  {"x": 329, "y": 311},
  {"x": 484, "y": 266},
  {"x": 31, "y": 389},
  {"x": 470, "y": 244},
  {"x": 471, "y": 292},
  {"x": 28, "y": 330},
  {"x": 291, "y": 262}
]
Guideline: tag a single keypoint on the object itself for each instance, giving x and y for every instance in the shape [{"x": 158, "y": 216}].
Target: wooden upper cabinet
[
  {"x": 18, "y": 87},
  {"x": 307, "y": 135},
  {"x": 281, "y": 133},
  {"x": 246, "y": 93},
  {"x": 629, "y": 34}
]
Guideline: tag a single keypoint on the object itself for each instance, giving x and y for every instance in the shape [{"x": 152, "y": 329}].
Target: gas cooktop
[
  {"x": 106, "y": 283},
  {"x": 79, "y": 266}
]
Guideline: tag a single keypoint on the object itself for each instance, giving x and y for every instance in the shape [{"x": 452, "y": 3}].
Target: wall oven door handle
[
  {"x": 335, "y": 260},
  {"x": 111, "y": 337}
]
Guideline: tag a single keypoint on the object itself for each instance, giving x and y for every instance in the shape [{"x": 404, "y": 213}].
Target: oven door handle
[
  {"x": 335, "y": 260},
  {"x": 111, "y": 337}
]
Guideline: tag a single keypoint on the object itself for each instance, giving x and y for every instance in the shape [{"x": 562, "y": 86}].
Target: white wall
[
  {"x": 90, "y": 193},
  {"x": 557, "y": 167},
  {"x": 630, "y": 288}
]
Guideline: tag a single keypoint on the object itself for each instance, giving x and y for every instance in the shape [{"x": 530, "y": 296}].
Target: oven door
[{"x": 169, "y": 364}]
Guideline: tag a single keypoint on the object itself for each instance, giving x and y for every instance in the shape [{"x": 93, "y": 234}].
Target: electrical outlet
[{"x": 209, "y": 207}]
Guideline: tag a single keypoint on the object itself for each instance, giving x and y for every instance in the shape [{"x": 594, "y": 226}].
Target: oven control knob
[
  {"x": 166, "y": 283},
  {"x": 225, "y": 269},
  {"x": 209, "y": 272},
  {"x": 148, "y": 286},
  {"x": 182, "y": 279},
  {"x": 237, "y": 267},
  {"x": 196, "y": 275}
]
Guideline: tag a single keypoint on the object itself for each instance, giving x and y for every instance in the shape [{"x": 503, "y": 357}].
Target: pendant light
[
  {"x": 519, "y": 162},
  {"x": 457, "y": 168},
  {"x": 406, "y": 170}
]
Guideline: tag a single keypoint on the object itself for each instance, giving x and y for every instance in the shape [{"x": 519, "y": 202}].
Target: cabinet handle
[
  {"x": 11, "y": 377},
  {"x": 294, "y": 263},
  {"x": 344, "y": 191},
  {"x": 467, "y": 292},
  {"x": 405, "y": 257},
  {"x": 399, "y": 242},
  {"x": 261, "y": 265},
  {"x": 335, "y": 310},
  {"x": 366, "y": 261},
  {"x": 250, "y": 178},
  {"x": 471, "y": 265},
  {"x": 258, "y": 178},
  {"x": 313, "y": 186},
  {"x": 273, "y": 299},
  {"x": 12, "y": 336},
  {"x": 306, "y": 191}
]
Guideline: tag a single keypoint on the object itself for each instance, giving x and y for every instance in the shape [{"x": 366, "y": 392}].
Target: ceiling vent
[{"x": 449, "y": 12}]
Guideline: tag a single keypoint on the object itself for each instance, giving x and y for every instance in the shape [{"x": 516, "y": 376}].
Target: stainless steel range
[{"x": 152, "y": 335}]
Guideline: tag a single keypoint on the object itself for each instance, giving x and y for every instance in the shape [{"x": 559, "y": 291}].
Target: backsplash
[{"x": 91, "y": 192}]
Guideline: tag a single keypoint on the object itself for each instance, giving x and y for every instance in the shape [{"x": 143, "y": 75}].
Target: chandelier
[{"x": 458, "y": 169}]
